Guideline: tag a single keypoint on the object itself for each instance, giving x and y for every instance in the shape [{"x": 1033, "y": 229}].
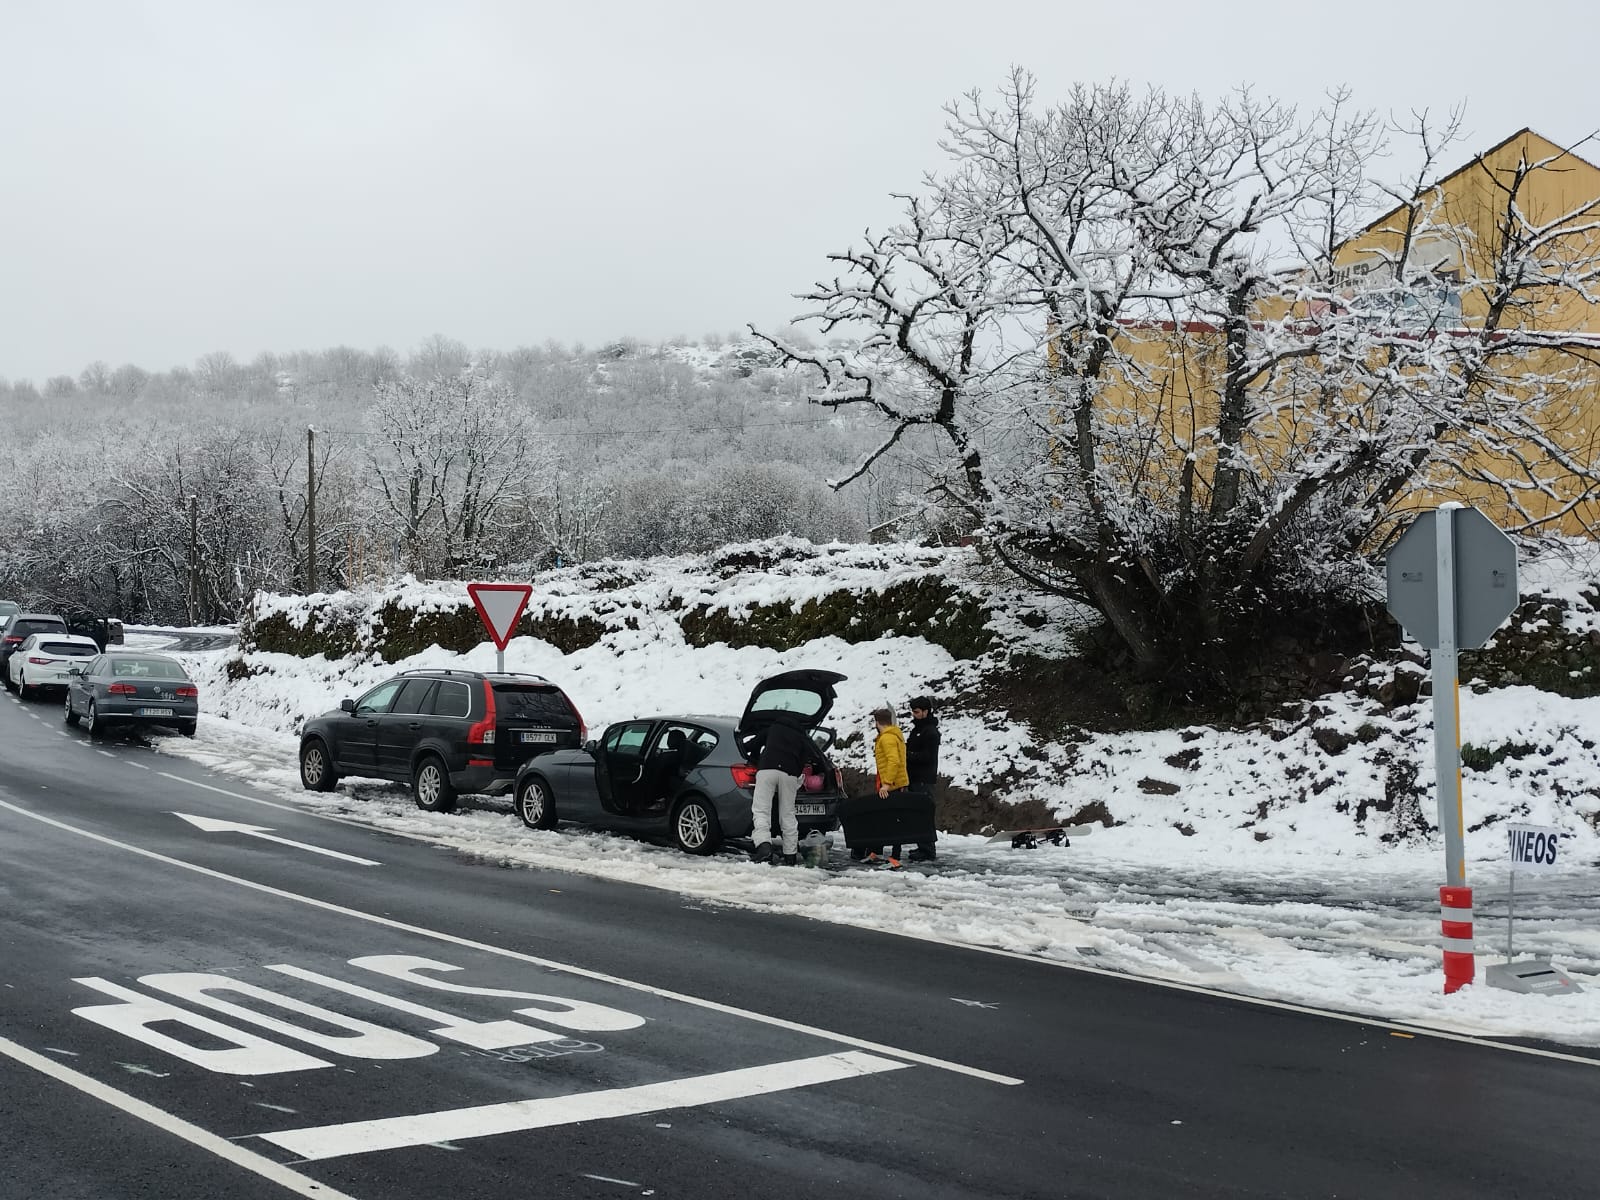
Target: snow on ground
[{"x": 1279, "y": 891}]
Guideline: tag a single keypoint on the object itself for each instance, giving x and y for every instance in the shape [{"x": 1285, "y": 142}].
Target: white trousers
[{"x": 785, "y": 787}]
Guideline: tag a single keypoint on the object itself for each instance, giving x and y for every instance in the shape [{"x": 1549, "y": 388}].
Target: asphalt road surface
[{"x": 305, "y": 1007}]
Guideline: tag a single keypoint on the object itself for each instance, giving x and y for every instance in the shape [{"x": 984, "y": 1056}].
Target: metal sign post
[
  {"x": 1452, "y": 581},
  {"x": 1445, "y": 660}
]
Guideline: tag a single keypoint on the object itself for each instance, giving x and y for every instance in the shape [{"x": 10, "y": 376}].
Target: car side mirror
[
  {"x": 348, "y": 706},
  {"x": 591, "y": 746}
]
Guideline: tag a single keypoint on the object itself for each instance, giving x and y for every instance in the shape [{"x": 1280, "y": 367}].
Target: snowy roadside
[{"x": 1328, "y": 927}]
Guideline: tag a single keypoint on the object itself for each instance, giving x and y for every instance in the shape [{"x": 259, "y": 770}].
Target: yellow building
[{"x": 1509, "y": 248}]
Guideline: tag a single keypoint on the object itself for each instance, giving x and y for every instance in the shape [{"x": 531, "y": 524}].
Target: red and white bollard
[{"x": 1455, "y": 922}]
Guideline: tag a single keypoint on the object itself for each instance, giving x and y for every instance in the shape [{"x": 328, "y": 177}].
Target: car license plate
[
  {"x": 155, "y": 712},
  {"x": 538, "y": 735},
  {"x": 810, "y": 810}
]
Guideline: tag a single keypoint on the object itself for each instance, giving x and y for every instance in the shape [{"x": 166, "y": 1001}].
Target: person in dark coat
[
  {"x": 922, "y": 761},
  {"x": 785, "y": 750}
]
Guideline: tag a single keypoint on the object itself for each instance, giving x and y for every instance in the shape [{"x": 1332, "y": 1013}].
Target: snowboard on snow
[{"x": 1032, "y": 839}]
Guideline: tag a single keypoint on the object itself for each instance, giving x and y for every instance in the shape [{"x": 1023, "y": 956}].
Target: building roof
[{"x": 1526, "y": 131}]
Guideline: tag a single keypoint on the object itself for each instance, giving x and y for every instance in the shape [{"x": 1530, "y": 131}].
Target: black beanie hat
[{"x": 922, "y": 702}]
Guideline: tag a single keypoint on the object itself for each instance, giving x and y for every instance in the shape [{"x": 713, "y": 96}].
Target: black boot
[
  {"x": 762, "y": 852},
  {"x": 924, "y": 854},
  {"x": 791, "y": 860}
]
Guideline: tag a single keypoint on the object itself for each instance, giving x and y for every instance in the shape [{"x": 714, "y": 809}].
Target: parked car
[
  {"x": 8, "y": 609},
  {"x": 443, "y": 732},
  {"x": 104, "y": 631},
  {"x": 16, "y": 631},
  {"x": 125, "y": 687},
  {"x": 690, "y": 779},
  {"x": 43, "y": 660}
]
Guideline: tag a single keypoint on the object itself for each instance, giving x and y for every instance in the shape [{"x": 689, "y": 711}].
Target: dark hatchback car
[
  {"x": 690, "y": 779},
  {"x": 132, "y": 688},
  {"x": 443, "y": 732},
  {"x": 16, "y": 630}
]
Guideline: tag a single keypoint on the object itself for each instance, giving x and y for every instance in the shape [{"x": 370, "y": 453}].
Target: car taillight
[
  {"x": 481, "y": 732},
  {"x": 583, "y": 730},
  {"x": 744, "y": 775},
  {"x": 838, "y": 778},
  {"x": 40, "y": 662},
  {"x": 187, "y": 692},
  {"x": 13, "y": 641},
  {"x": 121, "y": 689}
]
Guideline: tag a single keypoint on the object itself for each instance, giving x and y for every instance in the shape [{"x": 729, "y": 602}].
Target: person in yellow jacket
[{"x": 889, "y": 749}]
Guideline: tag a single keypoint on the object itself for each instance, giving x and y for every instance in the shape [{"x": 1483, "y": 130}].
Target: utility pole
[
  {"x": 311, "y": 509},
  {"x": 194, "y": 558}
]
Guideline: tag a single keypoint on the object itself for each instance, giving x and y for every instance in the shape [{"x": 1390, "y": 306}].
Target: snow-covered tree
[
  {"x": 455, "y": 460},
  {"x": 1126, "y": 317}
]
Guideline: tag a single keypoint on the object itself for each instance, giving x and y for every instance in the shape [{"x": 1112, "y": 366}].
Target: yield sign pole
[{"x": 500, "y": 606}]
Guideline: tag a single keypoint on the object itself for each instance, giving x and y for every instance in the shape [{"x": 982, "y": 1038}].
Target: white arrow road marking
[
  {"x": 211, "y": 825},
  {"x": 515, "y": 1116},
  {"x": 973, "y": 1003}
]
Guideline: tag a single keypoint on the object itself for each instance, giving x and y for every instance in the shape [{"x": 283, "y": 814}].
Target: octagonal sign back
[{"x": 1485, "y": 578}]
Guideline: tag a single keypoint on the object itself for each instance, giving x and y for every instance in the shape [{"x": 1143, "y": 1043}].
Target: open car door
[{"x": 619, "y": 766}]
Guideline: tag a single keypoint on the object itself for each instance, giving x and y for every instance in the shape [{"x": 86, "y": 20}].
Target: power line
[{"x": 364, "y": 434}]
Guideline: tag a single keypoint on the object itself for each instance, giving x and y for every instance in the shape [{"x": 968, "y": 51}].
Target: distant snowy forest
[{"x": 174, "y": 495}]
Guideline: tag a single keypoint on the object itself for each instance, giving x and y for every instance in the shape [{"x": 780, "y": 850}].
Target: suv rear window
[
  {"x": 24, "y": 628},
  {"x": 533, "y": 702}
]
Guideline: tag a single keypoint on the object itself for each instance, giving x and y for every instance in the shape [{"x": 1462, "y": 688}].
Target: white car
[{"x": 44, "y": 660}]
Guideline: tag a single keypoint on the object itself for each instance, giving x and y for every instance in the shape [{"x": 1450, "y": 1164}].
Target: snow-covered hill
[{"x": 1293, "y": 860}]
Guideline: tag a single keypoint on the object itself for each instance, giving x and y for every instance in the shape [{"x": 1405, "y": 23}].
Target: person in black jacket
[
  {"x": 922, "y": 761},
  {"x": 785, "y": 750}
]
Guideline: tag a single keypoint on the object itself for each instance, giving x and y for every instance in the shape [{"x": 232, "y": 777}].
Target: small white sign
[{"x": 1534, "y": 848}]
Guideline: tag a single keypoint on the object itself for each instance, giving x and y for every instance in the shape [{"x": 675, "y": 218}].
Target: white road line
[
  {"x": 107, "y": 753},
  {"x": 1173, "y": 985},
  {"x": 517, "y": 955},
  {"x": 1036, "y": 960},
  {"x": 300, "y": 1185},
  {"x": 318, "y": 1142}
]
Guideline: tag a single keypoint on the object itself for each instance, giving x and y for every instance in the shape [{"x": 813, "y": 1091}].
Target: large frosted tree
[{"x": 1128, "y": 320}]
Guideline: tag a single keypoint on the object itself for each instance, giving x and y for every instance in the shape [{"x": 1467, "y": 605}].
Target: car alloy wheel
[
  {"x": 91, "y": 720},
  {"x": 67, "y": 713},
  {"x": 315, "y": 773},
  {"x": 23, "y": 689},
  {"x": 533, "y": 804},
  {"x": 431, "y": 787},
  {"x": 695, "y": 827}
]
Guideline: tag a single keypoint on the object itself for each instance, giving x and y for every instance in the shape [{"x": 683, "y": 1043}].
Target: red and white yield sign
[{"x": 501, "y": 606}]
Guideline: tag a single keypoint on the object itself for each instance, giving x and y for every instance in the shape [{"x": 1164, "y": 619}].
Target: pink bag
[{"x": 810, "y": 780}]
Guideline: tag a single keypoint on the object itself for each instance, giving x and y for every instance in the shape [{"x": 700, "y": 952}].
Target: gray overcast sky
[{"x": 180, "y": 178}]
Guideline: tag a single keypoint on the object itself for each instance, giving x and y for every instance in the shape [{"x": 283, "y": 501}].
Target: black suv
[
  {"x": 16, "y": 631},
  {"x": 444, "y": 732}
]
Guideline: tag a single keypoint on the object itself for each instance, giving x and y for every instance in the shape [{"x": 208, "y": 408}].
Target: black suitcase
[{"x": 904, "y": 819}]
